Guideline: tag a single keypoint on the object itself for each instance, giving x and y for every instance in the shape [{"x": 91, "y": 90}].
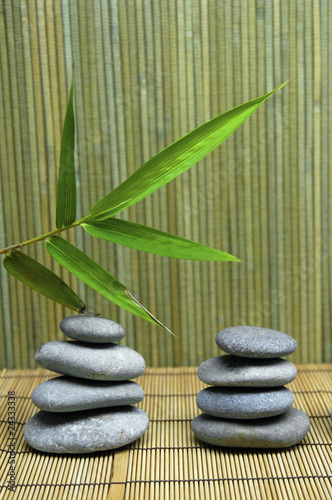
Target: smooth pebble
[
  {"x": 92, "y": 329},
  {"x": 281, "y": 431},
  {"x": 233, "y": 371},
  {"x": 113, "y": 362},
  {"x": 66, "y": 394},
  {"x": 244, "y": 404},
  {"x": 85, "y": 431},
  {"x": 255, "y": 342}
]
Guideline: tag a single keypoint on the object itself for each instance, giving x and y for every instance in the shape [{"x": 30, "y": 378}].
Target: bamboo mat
[{"x": 168, "y": 462}]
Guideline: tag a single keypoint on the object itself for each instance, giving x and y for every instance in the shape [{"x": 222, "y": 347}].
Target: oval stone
[
  {"x": 112, "y": 362},
  {"x": 85, "y": 431},
  {"x": 244, "y": 404},
  {"x": 281, "y": 431},
  {"x": 255, "y": 342},
  {"x": 233, "y": 371},
  {"x": 64, "y": 394},
  {"x": 92, "y": 329}
]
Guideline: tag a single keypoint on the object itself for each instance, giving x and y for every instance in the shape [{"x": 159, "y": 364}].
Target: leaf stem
[{"x": 42, "y": 236}]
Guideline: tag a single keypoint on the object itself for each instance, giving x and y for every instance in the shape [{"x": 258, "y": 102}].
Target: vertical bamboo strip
[
  {"x": 223, "y": 171},
  {"x": 262, "y": 315},
  {"x": 175, "y": 103},
  {"x": 24, "y": 195},
  {"x": 232, "y": 89},
  {"x": 148, "y": 126},
  {"x": 237, "y": 193},
  {"x": 198, "y": 176},
  {"x": 7, "y": 342},
  {"x": 294, "y": 289},
  {"x": 189, "y": 121},
  {"x": 306, "y": 272},
  {"x": 328, "y": 334},
  {"x": 12, "y": 200},
  {"x": 37, "y": 324},
  {"x": 324, "y": 205},
  {"x": 279, "y": 168},
  {"x": 129, "y": 103},
  {"x": 283, "y": 297},
  {"x": 81, "y": 64},
  {"x": 212, "y": 224},
  {"x": 316, "y": 342},
  {"x": 164, "y": 289},
  {"x": 247, "y": 167},
  {"x": 271, "y": 166},
  {"x": 254, "y": 172}
]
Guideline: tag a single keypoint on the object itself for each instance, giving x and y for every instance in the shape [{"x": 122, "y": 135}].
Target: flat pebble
[
  {"x": 233, "y": 371},
  {"x": 85, "y": 431},
  {"x": 66, "y": 394},
  {"x": 244, "y": 403},
  {"x": 92, "y": 329},
  {"x": 112, "y": 362},
  {"x": 281, "y": 431},
  {"x": 255, "y": 342}
]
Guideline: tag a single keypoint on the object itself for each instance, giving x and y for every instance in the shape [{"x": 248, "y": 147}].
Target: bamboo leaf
[
  {"x": 152, "y": 240},
  {"x": 175, "y": 159},
  {"x": 41, "y": 279},
  {"x": 94, "y": 275},
  {"x": 66, "y": 193}
]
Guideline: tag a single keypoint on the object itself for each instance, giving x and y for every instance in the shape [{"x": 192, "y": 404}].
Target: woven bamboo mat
[{"x": 168, "y": 462}]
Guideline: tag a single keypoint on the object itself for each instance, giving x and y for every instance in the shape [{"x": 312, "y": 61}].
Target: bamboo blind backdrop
[{"x": 146, "y": 72}]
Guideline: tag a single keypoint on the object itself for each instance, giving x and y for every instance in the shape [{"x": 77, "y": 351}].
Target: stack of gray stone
[
  {"x": 248, "y": 405},
  {"x": 88, "y": 408}
]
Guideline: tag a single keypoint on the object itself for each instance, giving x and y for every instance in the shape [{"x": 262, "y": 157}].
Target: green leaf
[
  {"x": 94, "y": 275},
  {"x": 175, "y": 159},
  {"x": 152, "y": 240},
  {"x": 41, "y": 279},
  {"x": 66, "y": 194}
]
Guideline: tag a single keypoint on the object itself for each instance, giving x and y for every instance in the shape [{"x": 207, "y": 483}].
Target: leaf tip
[{"x": 148, "y": 312}]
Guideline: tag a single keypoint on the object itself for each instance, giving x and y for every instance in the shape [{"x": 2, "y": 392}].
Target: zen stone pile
[
  {"x": 88, "y": 408},
  {"x": 248, "y": 405}
]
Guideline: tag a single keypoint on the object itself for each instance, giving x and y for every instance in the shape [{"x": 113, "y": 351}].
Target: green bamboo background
[{"x": 146, "y": 72}]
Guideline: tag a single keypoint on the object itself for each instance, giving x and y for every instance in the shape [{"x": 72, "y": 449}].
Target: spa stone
[
  {"x": 67, "y": 394},
  {"x": 237, "y": 403},
  {"x": 92, "y": 329},
  {"x": 234, "y": 371},
  {"x": 281, "y": 431},
  {"x": 112, "y": 362},
  {"x": 255, "y": 342},
  {"x": 85, "y": 431}
]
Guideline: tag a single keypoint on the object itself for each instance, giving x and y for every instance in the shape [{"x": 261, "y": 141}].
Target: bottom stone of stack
[
  {"x": 86, "y": 431},
  {"x": 280, "y": 431}
]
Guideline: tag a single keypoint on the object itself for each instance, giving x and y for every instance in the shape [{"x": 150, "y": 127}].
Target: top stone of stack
[
  {"x": 92, "y": 329},
  {"x": 255, "y": 342}
]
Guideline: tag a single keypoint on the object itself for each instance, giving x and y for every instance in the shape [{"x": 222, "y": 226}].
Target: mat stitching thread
[
  {"x": 167, "y": 481},
  {"x": 174, "y": 448}
]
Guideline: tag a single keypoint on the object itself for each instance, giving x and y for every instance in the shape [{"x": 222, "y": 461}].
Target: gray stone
[
  {"x": 233, "y": 371},
  {"x": 64, "y": 394},
  {"x": 244, "y": 403},
  {"x": 281, "y": 431},
  {"x": 92, "y": 329},
  {"x": 112, "y": 362},
  {"x": 85, "y": 431},
  {"x": 255, "y": 342}
]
